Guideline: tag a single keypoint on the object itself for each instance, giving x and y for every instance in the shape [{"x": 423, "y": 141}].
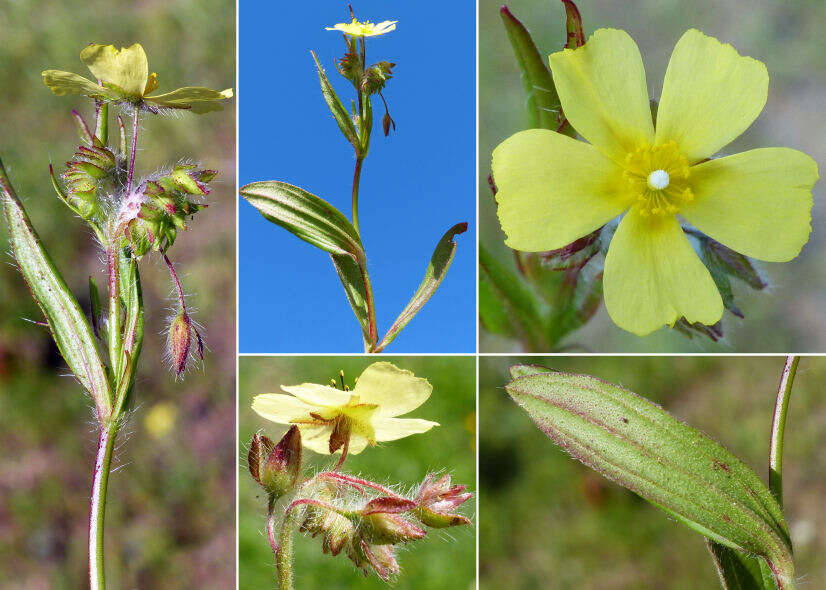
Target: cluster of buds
[
  {"x": 93, "y": 170},
  {"x": 359, "y": 518},
  {"x": 156, "y": 210}
]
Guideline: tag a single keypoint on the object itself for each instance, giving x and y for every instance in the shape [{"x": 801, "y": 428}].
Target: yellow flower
[
  {"x": 553, "y": 190},
  {"x": 364, "y": 29},
  {"x": 124, "y": 76},
  {"x": 367, "y": 414}
]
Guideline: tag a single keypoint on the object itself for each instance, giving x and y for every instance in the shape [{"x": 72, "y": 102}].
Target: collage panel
[
  {"x": 654, "y": 169},
  {"x": 717, "y": 444},
  {"x": 357, "y": 211},
  {"x": 106, "y": 408},
  {"x": 396, "y": 501}
]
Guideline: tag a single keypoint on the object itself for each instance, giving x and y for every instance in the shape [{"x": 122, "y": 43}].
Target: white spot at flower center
[{"x": 658, "y": 180}]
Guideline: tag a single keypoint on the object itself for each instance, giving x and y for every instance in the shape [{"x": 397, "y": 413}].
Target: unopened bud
[
  {"x": 437, "y": 500},
  {"x": 386, "y": 122},
  {"x": 281, "y": 469},
  {"x": 382, "y": 524},
  {"x": 180, "y": 342}
]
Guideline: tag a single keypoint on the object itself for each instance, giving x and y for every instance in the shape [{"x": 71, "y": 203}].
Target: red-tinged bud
[
  {"x": 280, "y": 471},
  {"x": 436, "y": 501},
  {"x": 381, "y": 522},
  {"x": 180, "y": 341},
  {"x": 260, "y": 448},
  {"x": 383, "y": 560}
]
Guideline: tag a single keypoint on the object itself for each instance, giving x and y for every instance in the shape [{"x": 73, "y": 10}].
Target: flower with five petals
[
  {"x": 356, "y": 28},
  {"x": 328, "y": 417},
  {"x": 123, "y": 76},
  {"x": 553, "y": 190}
]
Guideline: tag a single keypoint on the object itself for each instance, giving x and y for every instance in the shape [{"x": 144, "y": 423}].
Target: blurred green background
[
  {"x": 788, "y": 37},
  {"x": 549, "y": 522},
  {"x": 170, "y": 516},
  {"x": 443, "y": 559}
]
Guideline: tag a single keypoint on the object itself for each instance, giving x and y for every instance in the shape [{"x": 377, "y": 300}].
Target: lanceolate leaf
[
  {"x": 130, "y": 289},
  {"x": 340, "y": 114},
  {"x": 436, "y": 270},
  {"x": 71, "y": 331},
  {"x": 543, "y": 101},
  {"x": 307, "y": 216},
  {"x": 636, "y": 444}
]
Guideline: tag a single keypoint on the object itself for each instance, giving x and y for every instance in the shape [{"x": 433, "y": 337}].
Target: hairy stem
[
  {"x": 284, "y": 554},
  {"x": 114, "y": 328},
  {"x": 778, "y": 430},
  {"x": 97, "y": 505},
  {"x": 271, "y": 525},
  {"x": 178, "y": 287},
  {"x": 134, "y": 150}
]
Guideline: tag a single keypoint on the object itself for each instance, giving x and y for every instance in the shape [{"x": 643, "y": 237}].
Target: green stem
[
  {"x": 779, "y": 428},
  {"x": 97, "y": 504},
  {"x": 284, "y": 555}
]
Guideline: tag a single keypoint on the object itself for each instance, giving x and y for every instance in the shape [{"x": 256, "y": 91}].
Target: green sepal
[
  {"x": 70, "y": 329},
  {"x": 437, "y": 269}
]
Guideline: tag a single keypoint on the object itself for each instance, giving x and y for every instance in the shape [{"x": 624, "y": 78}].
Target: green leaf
[
  {"x": 543, "y": 102},
  {"x": 638, "y": 445},
  {"x": 513, "y": 299},
  {"x": 737, "y": 570},
  {"x": 305, "y": 215},
  {"x": 96, "y": 310},
  {"x": 353, "y": 280},
  {"x": 340, "y": 114},
  {"x": 132, "y": 338},
  {"x": 435, "y": 273},
  {"x": 69, "y": 327}
]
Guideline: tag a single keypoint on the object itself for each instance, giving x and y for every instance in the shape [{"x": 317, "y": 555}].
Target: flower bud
[
  {"x": 382, "y": 524},
  {"x": 437, "y": 499},
  {"x": 179, "y": 342},
  {"x": 281, "y": 469},
  {"x": 260, "y": 448},
  {"x": 85, "y": 175}
]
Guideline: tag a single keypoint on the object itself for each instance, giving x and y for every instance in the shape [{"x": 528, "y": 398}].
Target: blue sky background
[{"x": 415, "y": 184}]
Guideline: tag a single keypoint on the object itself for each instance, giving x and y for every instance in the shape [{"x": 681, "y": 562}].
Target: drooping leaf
[
  {"x": 71, "y": 332},
  {"x": 340, "y": 114},
  {"x": 638, "y": 445},
  {"x": 305, "y": 215},
  {"x": 435, "y": 273}
]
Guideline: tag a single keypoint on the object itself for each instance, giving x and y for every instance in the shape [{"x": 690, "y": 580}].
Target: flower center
[
  {"x": 658, "y": 180},
  {"x": 658, "y": 177}
]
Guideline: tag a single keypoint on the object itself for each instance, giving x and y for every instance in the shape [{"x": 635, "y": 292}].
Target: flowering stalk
[
  {"x": 129, "y": 219},
  {"x": 316, "y": 221}
]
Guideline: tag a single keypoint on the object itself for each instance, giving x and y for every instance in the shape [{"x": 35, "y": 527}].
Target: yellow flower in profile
[
  {"x": 327, "y": 416},
  {"x": 553, "y": 190},
  {"x": 124, "y": 76},
  {"x": 364, "y": 29}
]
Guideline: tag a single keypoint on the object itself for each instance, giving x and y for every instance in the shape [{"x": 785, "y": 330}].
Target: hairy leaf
[
  {"x": 738, "y": 570},
  {"x": 638, "y": 445},
  {"x": 71, "y": 332}
]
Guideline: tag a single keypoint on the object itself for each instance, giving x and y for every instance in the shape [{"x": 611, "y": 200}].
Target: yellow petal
[
  {"x": 711, "y": 94},
  {"x": 319, "y": 395},
  {"x": 192, "y": 98},
  {"x": 280, "y": 408},
  {"x": 603, "y": 92},
  {"x": 63, "y": 83},
  {"x": 317, "y": 439},
  {"x": 127, "y": 68},
  {"x": 653, "y": 277},
  {"x": 758, "y": 203},
  {"x": 395, "y": 391},
  {"x": 395, "y": 428},
  {"x": 552, "y": 189}
]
